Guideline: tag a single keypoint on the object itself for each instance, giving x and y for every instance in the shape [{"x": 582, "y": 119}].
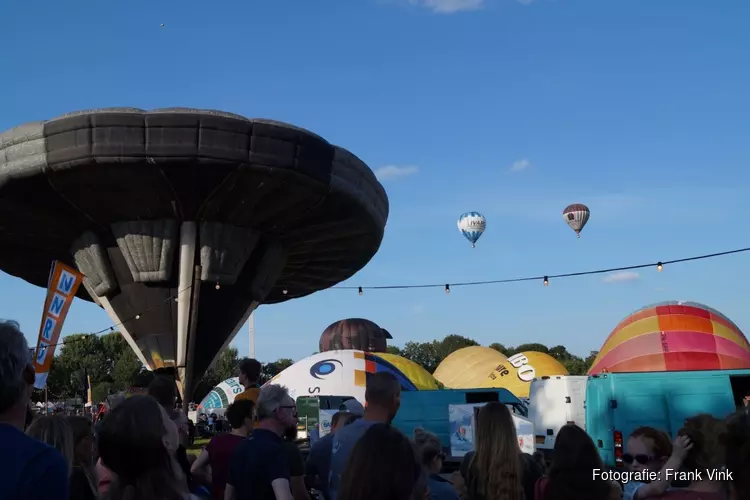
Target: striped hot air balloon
[
  {"x": 354, "y": 333},
  {"x": 576, "y": 216},
  {"x": 673, "y": 336}
]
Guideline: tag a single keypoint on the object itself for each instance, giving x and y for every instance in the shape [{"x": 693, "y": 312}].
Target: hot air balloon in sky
[
  {"x": 576, "y": 216},
  {"x": 472, "y": 225},
  {"x": 673, "y": 336}
]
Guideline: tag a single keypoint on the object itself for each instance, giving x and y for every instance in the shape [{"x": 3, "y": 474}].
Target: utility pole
[{"x": 251, "y": 332}]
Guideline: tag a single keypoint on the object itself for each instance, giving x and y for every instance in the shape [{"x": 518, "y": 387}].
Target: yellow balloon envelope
[
  {"x": 522, "y": 368},
  {"x": 469, "y": 368},
  {"x": 420, "y": 377}
]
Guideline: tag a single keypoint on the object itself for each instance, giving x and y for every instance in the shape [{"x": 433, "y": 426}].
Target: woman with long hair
[
  {"x": 136, "y": 443},
  {"x": 82, "y": 478},
  {"x": 494, "y": 471},
  {"x": 383, "y": 465},
  {"x": 56, "y": 432},
  {"x": 571, "y": 475},
  {"x": 430, "y": 451}
]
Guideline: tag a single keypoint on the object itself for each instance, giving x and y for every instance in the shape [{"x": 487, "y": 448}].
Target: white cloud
[
  {"x": 449, "y": 6},
  {"x": 389, "y": 172},
  {"x": 520, "y": 165},
  {"x": 621, "y": 277}
]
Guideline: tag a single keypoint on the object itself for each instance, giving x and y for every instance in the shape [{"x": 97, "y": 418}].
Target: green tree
[
  {"x": 225, "y": 367},
  {"x": 423, "y": 353},
  {"x": 392, "y": 349},
  {"x": 270, "y": 370},
  {"x": 501, "y": 348}
]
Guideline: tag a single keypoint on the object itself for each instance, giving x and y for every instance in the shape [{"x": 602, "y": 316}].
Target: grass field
[{"x": 197, "y": 446}]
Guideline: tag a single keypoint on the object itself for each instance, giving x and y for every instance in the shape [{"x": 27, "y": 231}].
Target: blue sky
[{"x": 638, "y": 108}]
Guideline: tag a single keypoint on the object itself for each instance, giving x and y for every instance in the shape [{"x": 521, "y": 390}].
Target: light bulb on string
[
  {"x": 285, "y": 291},
  {"x": 659, "y": 266},
  {"x": 360, "y": 291},
  {"x": 137, "y": 316},
  {"x": 218, "y": 286},
  {"x": 447, "y": 288},
  {"x": 546, "y": 281}
]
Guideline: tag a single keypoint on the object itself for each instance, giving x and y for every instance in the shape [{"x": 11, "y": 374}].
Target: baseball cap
[{"x": 353, "y": 406}]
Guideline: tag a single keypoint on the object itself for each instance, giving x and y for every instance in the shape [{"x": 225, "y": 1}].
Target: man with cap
[{"x": 318, "y": 464}]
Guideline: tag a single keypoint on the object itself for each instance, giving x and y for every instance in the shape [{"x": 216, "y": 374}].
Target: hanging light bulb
[
  {"x": 285, "y": 291},
  {"x": 447, "y": 288},
  {"x": 360, "y": 291},
  {"x": 659, "y": 266},
  {"x": 137, "y": 316},
  {"x": 218, "y": 286},
  {"x": 546, "y": 281}
]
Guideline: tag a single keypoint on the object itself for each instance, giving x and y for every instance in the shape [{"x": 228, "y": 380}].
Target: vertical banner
[{"x": 63, "y": 285}]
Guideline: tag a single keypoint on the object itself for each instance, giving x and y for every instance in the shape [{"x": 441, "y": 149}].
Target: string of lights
[{"x": 545, "y": 279}]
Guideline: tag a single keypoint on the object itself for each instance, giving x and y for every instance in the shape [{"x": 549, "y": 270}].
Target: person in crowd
[
  {"x": 539, "y": 458},
  {"x": 430, "y": 451},
  {"x": 30, "y": 469},
  {"x": 164, "y": 390},
  {"x": 137, "y": 443},
  {"x": 649, "y": 449},
  {"x": 495, "y": 470},
  {"x": 296, "y": 463},
  {"x": 82, "y": 479},
  {"x": 103, "y": 474},
  {"x": 319, "y": 459},
  {"x": 704, "y": 459},
  {"x": 219, "y": 451},
  {"x": 56, "y": 432},
  {"x": 383, "y": 465},
  {"x": 737, "y": 455},
  {"x": 259, "y": 467},
  {"x": 383, "y": 398},
  {"x": 571, "y": 475},
  {"x": 249, "y": 379}
]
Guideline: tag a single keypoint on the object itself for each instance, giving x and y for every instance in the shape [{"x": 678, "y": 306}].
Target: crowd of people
[{"x": 138, "y": 452}]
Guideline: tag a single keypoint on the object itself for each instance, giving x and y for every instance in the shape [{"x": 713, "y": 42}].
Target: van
[
  {"x": 429, "y": 410},
  {"x": 619, "y": 403},
  {"x": 555, "y": 401}
]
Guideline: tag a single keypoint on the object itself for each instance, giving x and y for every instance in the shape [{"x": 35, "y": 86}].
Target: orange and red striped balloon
[{"x": 673, "y": 336}]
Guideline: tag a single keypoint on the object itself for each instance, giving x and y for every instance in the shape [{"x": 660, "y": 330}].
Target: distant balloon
[
  {"x": 354, "y": 333},
  {"x": 161, "y": 25},
  {"x": 472, "y": 225},
  {"x": 576, "y": 216}
]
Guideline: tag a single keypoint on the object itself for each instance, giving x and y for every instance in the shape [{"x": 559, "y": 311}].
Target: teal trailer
[{"x": 618, "y": 403}]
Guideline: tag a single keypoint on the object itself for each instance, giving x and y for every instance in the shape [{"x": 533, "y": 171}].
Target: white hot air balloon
[{"x": 472, "y": 225}]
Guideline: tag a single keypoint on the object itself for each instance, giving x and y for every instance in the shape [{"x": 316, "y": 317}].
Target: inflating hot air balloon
[
  {"x": 354, "y": 333},
  {"x": 576, "y": 216},
  {"x": 345, "y": 373},
  {"x": 521, "y": 369},
  {"x": 673, "y": 336},
  {"x": 472, "y": 225},
  {"x": 469, "y": 367}
]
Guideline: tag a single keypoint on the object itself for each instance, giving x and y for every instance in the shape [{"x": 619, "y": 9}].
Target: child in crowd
[{"x": 649, "y": 449}]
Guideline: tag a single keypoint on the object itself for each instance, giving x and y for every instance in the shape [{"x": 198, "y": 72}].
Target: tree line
[{"x": 111, "y": 366}]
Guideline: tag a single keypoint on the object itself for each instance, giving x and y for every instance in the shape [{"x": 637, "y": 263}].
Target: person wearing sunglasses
[{"x": 639, "y": 490}]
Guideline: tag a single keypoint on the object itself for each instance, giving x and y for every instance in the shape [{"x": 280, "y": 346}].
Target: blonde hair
[
  {"x": 56, "y": 432},
  {"x": 495, "y": 469},
  {"x": 428, "y": 445}
]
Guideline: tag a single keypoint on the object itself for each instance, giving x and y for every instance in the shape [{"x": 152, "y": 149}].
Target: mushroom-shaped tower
[
  {"x": 183, "y": 221},
  {"x": 354, "y": 333}
]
